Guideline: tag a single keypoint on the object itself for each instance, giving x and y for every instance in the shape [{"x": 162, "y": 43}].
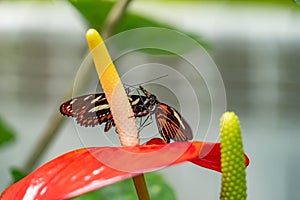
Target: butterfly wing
[
  {"x": 93, "y": 109},
  {"x": 89, "y": 110},
  {"x": 171, "y": 125}
]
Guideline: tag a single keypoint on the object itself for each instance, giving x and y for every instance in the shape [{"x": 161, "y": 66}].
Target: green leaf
[
  {"x": 124, "y": 190},
  {"x": 6, "y": 133},
  {"x": 297, "y": 2},
  {"x": 96, "y": 11},
  {"x": 158, "y": 187},
  {"x": 17, "y": 174}
]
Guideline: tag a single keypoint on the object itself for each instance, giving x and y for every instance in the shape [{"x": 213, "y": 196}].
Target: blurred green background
[{"x": 255, "y": 45}]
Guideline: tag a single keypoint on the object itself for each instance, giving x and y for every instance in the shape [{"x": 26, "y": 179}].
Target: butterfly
[{"x": 93, "y": 109}]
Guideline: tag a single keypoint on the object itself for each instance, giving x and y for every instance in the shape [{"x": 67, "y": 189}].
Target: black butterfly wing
[
  {"x": 89, "y": 110},
  {"x": 171, "y": 125},
  {"x": 93, "y": 109}
]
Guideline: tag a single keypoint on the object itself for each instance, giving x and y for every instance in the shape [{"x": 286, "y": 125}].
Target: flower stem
[{"x": 141, "y": 187}]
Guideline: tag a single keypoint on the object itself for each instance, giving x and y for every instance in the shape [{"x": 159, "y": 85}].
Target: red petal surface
[{"x": 87, "y": 169}]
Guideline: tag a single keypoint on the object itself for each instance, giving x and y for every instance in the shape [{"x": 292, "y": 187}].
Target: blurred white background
[{"x": 256, "y": 48}]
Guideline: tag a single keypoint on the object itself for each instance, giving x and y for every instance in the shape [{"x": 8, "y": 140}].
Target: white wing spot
[
  {"x": 178, "y": 118},
  {"x": 73, "y": 101},
  {"x": 86, "y": 98},
  {"x": 135, "y": 102},
  {"x": 97, "y": 108},
  {"x": 97, "y": 99}
]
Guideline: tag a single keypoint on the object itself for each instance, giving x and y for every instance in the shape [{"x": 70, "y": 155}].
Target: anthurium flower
[
  {"x": 87, "y": 169},
  {"x": 84, "y": 170}
]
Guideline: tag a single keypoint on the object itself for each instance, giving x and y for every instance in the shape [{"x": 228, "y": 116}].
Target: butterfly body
[{"x": 93, "y": 109}]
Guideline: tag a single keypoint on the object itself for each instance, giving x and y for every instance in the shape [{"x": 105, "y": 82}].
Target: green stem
[
  {"x": 55, "y": 123},
  {"x": 114, "y": 18},
  {"x": 47, "y": 136},
  {"x": 141, "y": 187}
]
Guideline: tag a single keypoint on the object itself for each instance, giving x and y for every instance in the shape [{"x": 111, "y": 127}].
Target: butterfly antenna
[
  {"x": 163, "y": 76},
  {"x": 129, "y": 89},
  {"x": 139, "y": 84}
]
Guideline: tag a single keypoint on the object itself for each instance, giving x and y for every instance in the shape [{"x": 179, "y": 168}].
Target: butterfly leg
[{"x": 144, "y": 124}]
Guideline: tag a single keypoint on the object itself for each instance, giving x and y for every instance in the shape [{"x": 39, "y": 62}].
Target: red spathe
[{"x": 87, "y": 169}]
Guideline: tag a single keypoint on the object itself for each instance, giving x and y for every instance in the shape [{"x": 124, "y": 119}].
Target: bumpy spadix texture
[
  {"x": 232, "y": 159},
  {"x": 114, "y": 90}
]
